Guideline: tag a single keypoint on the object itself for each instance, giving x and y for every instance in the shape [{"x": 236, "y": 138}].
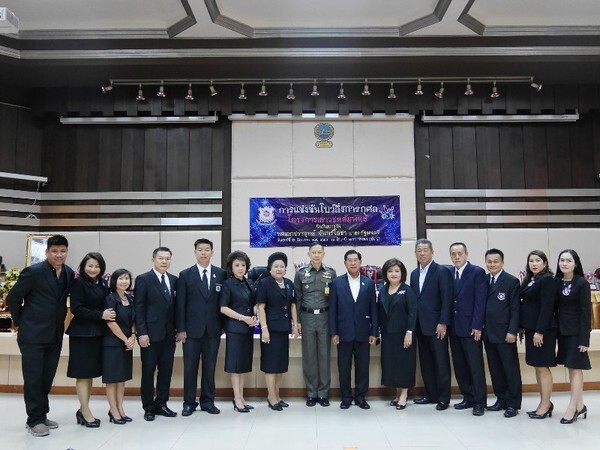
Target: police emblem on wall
[{"x": 324, "y": 132}]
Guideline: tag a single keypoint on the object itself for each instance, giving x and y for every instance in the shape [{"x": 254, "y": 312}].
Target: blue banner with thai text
[{"x": 332, "y": 221}]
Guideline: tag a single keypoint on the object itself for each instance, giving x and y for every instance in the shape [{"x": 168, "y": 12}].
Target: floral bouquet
[{"x": 10, "y": 278}]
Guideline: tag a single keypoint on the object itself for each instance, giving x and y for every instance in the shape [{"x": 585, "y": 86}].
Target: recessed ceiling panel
[
  {"x": 329, "y": 13},
  {"x": 95, "y": 15},
  {"x": 547, "y": 13}
]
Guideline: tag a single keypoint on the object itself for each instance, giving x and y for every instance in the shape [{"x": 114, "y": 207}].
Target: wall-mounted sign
[{"x": 333, "y": 221}]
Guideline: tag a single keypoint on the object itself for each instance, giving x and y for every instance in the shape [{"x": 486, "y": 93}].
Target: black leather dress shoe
[
  {"x": 211, "y": 409},
  {"x": 345, "y": 404},
  {"x": 423, "y": 401},
  {"x": 498, "y": 406},
  {"x": 187, "y": 410},
  {"x": 510, "y": 412},
  {"x": 441, "y": 406},
  {"x": 148, "y": 416},
  {"x": 362, "y": 404},
  {"x": 323, "y": 401},
  {"x": 464, "y": 405},
  {"x": 311, "y": 401},
  {"x": 164, "y": 411},
  {"x": 478, "y": 410}
]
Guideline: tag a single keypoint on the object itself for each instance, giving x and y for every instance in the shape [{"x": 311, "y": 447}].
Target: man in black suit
[
  {"x": 199, "y": 327},
  {"x": 353, "y": 327},
  {"x": 432, "y": 284},
  {"x": 38, "y": 306},
  {"x": 154, "y": 302},
  {"x": 468, "y": 314},
  {"x": 500, "y": 335}
]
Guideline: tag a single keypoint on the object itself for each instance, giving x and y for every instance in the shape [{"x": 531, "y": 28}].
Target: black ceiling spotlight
[
  {"x": 109, "y": 87},
  {"x": 161, "y": 90},
  {"x": 242, "y": 95},
  {"x": 440, "y": 91},
  {"x": 291, "y": 95},
  {"x": 212, "y": 89},
  {"x": 263, "y": 90},
  {"x": 190, "y": 95},
  {"x": 315, "y": 91},
  {"x": 536, "y": 86}
]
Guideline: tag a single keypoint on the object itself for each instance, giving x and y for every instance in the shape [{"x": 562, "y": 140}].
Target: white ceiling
[{"x": 294, "y": 18}]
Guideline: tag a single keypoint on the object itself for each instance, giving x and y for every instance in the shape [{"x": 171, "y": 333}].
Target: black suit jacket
[
  {"x": 575, "y": 310},
  {"x": 397, "y": 312},
  {"x": 38, "y": 306},
  {"x": 125, "y": 318},
  {"x": 538, "y": 304},
  {"x": 434, "y": 301},
  {"x": 239, "y": 296},
  {"x": 87, "y": 306},
  {"x": 198, "y": 310},
  {"x": 502, "y": 308},
  {"x": 350, "y": 320},
  {"x": 470, "y": 297},
  {"x": 154, "y": 312},
  {"x": 277, "y": 303}
]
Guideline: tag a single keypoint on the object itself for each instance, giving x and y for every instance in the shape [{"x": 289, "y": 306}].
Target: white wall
[{"x": 278, "y": 158}]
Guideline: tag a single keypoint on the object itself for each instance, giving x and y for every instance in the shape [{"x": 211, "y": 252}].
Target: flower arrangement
[{"x": 10, "y": 278}]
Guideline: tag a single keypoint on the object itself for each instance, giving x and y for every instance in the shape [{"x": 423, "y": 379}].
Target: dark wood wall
[{"x": 506, "y": 156}]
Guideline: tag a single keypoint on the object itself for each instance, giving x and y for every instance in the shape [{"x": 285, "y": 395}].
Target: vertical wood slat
[{"x": 511, "y": 156}]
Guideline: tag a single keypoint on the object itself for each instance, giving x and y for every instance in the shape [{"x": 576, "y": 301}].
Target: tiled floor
[{"x": 300, "y": 427}]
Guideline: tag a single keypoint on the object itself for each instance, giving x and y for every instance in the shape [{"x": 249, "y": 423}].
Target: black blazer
[
  {"x": 37, "y": 304},
  {"x": 239, "y": 296},
  {"x": 397, "y": 312},
  {"x": 538, "y": 304},
  {"x": 154, "y": 311},
  {"x": 87, "y": 306},
  {"x": 277, "y": 303},
  {"x": 125, "y": 318},
  {"x": 434, "y": 301},
  {"x": 197, "y": 309},
  {"x": 470, "y": 297},
  {"x": 502, "y": 308},
  {"x": 350, "y": 320},
  {"x": 575, "y": 310}
]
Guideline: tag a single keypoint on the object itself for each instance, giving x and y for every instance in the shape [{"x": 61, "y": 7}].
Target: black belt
[{"x": 314, "y": 311}]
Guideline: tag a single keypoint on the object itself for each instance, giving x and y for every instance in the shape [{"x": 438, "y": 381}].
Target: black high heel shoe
[
  {"x": 571, "y": 420},
  {"x": 283, "y": 404},
  {"x": 126, "y": 418},
  {"x": 81, "y": 420},
  {"x": 248, "y": 406},
  {"x": 118, "y": 421},
  {"x": 548, "y": 413},
  {"x": 583, "y": 411},
  {"x": 275, "y": 407},
  {"x": 240, "y": 410}
]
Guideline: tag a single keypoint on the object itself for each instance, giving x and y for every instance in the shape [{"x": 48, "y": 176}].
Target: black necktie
[
  {"x": 163, "y": 284},
  {"x": 492, "y": 281},
  {"x": 205, "y": 279},
  {"x": 457, "y": 277}
]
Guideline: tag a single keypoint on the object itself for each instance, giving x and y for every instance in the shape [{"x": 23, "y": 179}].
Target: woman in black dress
[
  {"x": 86, "y": 331},
  {"x": 398, "y": 318},
  {"x": 574, "y": 325},
  {"x": 237, "y": 303},
  {"x": 277, "y": 314},
  {"x": 538, "y": 319},
  {"x": 119, "y": 339}
]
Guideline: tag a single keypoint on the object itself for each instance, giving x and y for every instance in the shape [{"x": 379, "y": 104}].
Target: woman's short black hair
[
  {"x": 391, "y": 263},
  {"x": 236, "y": 256},
  {"x": 115, "y": 276},
  {"x": 92, "y": 255},
  {"x": 277, "y": 256}
]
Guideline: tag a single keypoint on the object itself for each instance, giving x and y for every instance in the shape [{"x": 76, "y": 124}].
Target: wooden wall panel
[
  {"x": 535, "y": 158},
  {"x": 488, "y": 157},
  {"x": 511, "y": 157},
  {"x": 465, "y": 157}
]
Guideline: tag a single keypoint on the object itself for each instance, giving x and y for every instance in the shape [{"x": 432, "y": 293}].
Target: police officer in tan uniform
[{"x": 311, "y": 285}]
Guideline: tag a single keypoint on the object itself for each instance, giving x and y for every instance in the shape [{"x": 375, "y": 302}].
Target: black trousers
[
  {"x": 467, "y": 357},
  {"x": 39, "y": 363},
  {"x": 157, "y": 356},
  {"x": 361, "y": 353},
  {"x": 208, "y": 348},
  {"x": 435, "y": 367},
  {"x": 503, "y": 362}
]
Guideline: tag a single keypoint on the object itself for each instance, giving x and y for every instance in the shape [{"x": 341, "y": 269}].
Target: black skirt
[
  {"x": 544, "y": 356},
  {"x": 85, "y": 357},
  {"x": 569, "y": 354},
  {"x": 238, "y": 352},
  {"x": 275, "y": 356},
  {"x": 117, "y": 364},
  {"x": 398, "y": 364}
]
